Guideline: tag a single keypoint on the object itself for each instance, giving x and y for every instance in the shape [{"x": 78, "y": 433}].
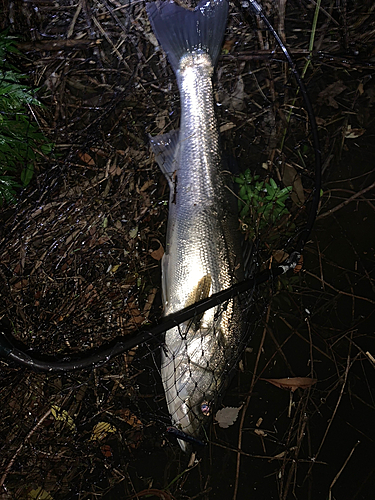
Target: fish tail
[{"x": 181, "y": 31}]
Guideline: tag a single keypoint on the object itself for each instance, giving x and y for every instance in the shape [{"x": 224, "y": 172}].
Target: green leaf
[
  {"x": 273, "y": 184},
  {"x": 7, "y": 189},
  {"x": 243, "y": 192},
  {"x": 280, "y": 203},
  {"x": 27, "y": 174},
  {"x": 21, "y": 140},
  {"x": 245, "y": 211}
]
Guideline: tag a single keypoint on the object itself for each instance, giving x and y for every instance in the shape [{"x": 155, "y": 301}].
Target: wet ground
[{"x": 78, "y": 267}]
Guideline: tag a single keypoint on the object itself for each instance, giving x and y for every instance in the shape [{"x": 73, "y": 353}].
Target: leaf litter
[{"x": 100, "y": 204}]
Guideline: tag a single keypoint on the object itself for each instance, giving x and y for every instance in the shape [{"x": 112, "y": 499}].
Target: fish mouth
[
  {"x": 190, "y": 388},
  {"x": 189, "y": 416},
  {"x": 188, "y": 421}
]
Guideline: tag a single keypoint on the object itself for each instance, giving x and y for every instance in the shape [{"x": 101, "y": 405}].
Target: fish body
[{"x": 203, "y": 252}]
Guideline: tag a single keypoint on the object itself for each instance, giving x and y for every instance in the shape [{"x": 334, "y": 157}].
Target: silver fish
[{"x": 203, "y": 254}]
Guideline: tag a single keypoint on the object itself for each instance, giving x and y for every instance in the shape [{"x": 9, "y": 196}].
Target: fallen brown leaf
[
  {"x": 327, "y": 96},
  {"x": 353, "y": 133},
  {"x": 279, "y": 255},
  {"x": 136, "y": 316},
  {"x": 19, "y": 285},
  {"x": 291, "y": 383},
  {"x": 129, "y": 417},
  {"x": 292, "y": 178},
  {"x": 106, "y": 450},
  {"x": 228, "y": 45},
  {"x": 86, "y": 158},
  {"x": 159, "y": 252}
]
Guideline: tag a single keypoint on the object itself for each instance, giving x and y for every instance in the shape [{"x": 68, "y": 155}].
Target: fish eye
[{"x": 205, "y": 408}]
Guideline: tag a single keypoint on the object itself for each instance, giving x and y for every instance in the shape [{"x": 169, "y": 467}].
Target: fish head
[
  {"x": 191, "y": 383},
  {"x": 192, "y": 408}
]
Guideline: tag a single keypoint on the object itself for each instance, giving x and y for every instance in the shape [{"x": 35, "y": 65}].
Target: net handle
[{"x": 123, "y": 344}]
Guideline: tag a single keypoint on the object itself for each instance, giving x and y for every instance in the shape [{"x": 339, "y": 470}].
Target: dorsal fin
[{"x": 165, "y": 147}]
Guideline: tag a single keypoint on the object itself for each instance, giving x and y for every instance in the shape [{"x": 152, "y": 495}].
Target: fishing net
[{"x": 80, "y": 249}]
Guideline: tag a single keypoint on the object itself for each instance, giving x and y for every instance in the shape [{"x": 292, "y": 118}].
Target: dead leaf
[
  {"x": 102, "y": 239},
  {"x": 115, "y": 268},
  {"x": 227, "y": 416},
  {"x": 106, "y": 450},
  {"x": 136, "y": 316},
  {"x": 101, "y": 431},
  {"x": 147, "y": 184},
  {"x": 292, "y": 383},
  {"x": 159, "y": 252},
  {"x": 228, "y": 45},
  {"x": 320, "y": 121},
  {"x": 327, "y": 96},
  {"x": 353, "y": 133},
  {"x": 86, "y": 158},
  {"x": 292, "y": 178},
  {"x": 133, "y": 232},
  {"x": 151, "y": 38},
  {"x": 39, "y": 494},
  {"x": 63, "y": 416},
  {"x": 112, "y": 169},
  {"x": 160, "y": 119},
  {"x": 236, "y": 99},
  {"x": 279, "y": 255},
  {"x": 17, "y": 269},
  {"x": 19, "y": 285},
  {"x": 149, "y": 302},
  {"x": 129, "y": 418}
]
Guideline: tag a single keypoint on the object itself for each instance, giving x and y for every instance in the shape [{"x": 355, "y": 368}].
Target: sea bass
[{"x": 203, "y": 251}]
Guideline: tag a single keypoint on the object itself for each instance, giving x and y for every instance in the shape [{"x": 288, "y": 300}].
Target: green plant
[
  {"x": 261, "y": 203},
  {"x": 21, "y": 141}
]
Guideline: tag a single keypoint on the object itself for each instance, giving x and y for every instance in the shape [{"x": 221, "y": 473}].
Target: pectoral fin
[{"x": 200, "y": 292}]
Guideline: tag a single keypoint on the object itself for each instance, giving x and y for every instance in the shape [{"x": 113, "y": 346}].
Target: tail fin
[{"x": 181, "y": 31}]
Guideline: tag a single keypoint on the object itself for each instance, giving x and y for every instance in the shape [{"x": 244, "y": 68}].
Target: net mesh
[{"x": 80, "y": 250}]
